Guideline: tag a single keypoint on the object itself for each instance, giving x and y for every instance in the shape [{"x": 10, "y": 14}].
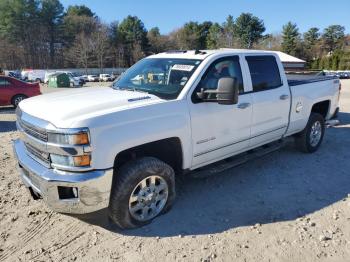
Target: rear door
[
  {"x": 6, "y": 92},
  {"x": 271, "y": 99}
]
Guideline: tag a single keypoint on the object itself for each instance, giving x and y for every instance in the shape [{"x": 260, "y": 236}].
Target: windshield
[{"x": 163, "y": 77}]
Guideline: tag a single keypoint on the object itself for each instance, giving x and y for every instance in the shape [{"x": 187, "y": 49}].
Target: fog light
[
  {"x": 83, "y": 160},
  {"x": 67, "y": 192}
]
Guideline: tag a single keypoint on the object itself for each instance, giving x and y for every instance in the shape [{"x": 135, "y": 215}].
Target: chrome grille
[
  {"x": 38, "y": 155},
  {"x": 33, "y": 131}
]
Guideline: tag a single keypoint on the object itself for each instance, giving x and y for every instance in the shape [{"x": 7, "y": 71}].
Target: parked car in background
[
  {"x": 13, "y": 91},
  {"x": 85, "y": 78},
  {"x": 93, "y": 78},
  {"x": 75, "y": 80},
  {"x": 105, "y": 78},
  {"x": 344, "y": 75},
  {"x": 77, "y": 77},
  {"x": 14, "y": 74}
]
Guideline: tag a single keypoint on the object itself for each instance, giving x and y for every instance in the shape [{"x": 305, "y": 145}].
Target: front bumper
[{"x": 93, "y": 187}]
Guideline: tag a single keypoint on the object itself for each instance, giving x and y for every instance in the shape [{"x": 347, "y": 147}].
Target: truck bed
[{"x": 300, "y": 79}]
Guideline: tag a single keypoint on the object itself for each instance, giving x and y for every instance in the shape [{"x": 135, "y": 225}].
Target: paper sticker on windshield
[{"x": 187, "y": 68}]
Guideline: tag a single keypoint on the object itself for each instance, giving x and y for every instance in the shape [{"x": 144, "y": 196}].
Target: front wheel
[
  {"x": 310, "y": 139},
  {"x": 17, "y": 99},
  {"x": 143, "y": 189}
]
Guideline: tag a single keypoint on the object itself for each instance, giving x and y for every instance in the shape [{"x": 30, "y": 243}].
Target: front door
[{"x": 219, "y": 131}]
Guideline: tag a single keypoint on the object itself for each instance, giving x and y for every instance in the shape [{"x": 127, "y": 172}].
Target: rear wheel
[
  {"x": 17, "y": 99},
  {"x": 143, "y": 189},
  {"x": 310, "y": 139}
]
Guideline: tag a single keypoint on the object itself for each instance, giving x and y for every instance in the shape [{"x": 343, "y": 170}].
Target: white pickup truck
[{"x": 122, "y": 147}]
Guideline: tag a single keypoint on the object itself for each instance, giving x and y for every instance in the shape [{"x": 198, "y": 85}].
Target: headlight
[
  {"x": 71, "y": 161},
  {"x": 81, "y": 138}
]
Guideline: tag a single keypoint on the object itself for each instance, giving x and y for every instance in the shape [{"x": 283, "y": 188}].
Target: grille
[
  {"x": 33, "y": 131},
  {"x": 38, "y": 155}
]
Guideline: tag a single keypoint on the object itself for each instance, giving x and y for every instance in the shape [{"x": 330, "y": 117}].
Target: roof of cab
[{"x": 202, "y": 54}]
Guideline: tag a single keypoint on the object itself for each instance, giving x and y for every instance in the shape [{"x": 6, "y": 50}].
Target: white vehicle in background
[
  {"x": 24, "y": 74},
  {"x": 105, "y": 78},
  {"x": 85, "y": 78},
  {"x": 121, "y": 147},
  {"x": 93, "y": 78},
  {"x": 75, "y": 80},
  {"x": 36, "y": 76}
]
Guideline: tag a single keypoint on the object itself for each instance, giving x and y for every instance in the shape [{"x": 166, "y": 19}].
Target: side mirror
[{"x": 226, "y": 93}]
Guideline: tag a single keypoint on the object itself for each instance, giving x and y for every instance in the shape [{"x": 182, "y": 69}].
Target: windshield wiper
[{"x": 134, "y": 89}]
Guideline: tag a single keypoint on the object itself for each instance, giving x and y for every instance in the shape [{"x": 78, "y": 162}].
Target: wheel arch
[
  {"x": 321, "y": 107},
  {"x": 168, "y": 150}
]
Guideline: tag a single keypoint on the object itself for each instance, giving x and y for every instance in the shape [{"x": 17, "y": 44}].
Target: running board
[
  {"x": 332, "y": 122},
  {"x": 237, "y": 160}
]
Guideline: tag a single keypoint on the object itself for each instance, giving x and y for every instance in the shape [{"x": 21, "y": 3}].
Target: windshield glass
[{"x": 163, "y": 77}]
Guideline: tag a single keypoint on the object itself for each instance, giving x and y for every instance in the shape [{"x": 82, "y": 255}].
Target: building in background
[{"x": 290, "y": 62}]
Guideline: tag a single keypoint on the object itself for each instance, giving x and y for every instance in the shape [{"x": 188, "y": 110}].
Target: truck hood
[{"x": 63, "y": 108}]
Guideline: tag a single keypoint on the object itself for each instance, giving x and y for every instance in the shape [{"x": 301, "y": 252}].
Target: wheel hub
[
  {"x": 148, "y": 198},
  {"x": 316, "y": 133}
]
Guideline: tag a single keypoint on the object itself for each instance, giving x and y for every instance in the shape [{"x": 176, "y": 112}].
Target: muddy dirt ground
[{"x": 286, "y": 206}]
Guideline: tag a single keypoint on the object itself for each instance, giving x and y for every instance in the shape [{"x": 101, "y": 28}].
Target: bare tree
[
  {"x": 99, "y": 45},
  {"x": 81, "y": 51}
]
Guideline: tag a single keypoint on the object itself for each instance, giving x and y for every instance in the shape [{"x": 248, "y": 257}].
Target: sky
[{"x": 169, "y": 15}]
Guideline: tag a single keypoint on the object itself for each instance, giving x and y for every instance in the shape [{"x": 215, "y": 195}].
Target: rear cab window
[{"x": 264, "y": 72}]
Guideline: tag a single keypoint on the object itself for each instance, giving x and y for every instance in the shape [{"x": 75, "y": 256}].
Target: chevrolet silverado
[{"x": 121, "y": 147}]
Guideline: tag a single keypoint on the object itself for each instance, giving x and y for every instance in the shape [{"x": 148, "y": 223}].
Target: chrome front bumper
[{"x": 93, "y": 187}]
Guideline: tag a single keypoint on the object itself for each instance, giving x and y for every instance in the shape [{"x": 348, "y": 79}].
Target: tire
[
  {"x": 17, "y": 99},
  {"x": 306, "y": 141},
  {"x": 127, "y": 183}
]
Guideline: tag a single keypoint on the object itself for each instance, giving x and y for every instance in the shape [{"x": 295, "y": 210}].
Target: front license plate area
[{"x": 33, "y": 178}]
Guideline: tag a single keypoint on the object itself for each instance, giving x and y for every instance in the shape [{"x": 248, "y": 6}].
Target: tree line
[{"x": 43, "y": 34}]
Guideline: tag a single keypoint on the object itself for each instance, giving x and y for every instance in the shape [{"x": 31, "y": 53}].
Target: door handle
[
  {"x": 243, "y": 105},
  {"x": 284, "y": 97}
]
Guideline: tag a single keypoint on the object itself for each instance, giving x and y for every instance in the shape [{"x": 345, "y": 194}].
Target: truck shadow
[
  {"x": 344, "y": 118},
  {"x": 281, "y": 186},
  {"x": 6, "y": 125}
]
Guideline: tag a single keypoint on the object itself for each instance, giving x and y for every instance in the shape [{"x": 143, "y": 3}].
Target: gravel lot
[{"x": 286, "y": 206}]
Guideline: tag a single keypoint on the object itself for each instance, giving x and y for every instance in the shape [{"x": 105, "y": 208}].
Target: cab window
[
  {"x": 264, "y": 72},
  {"x": 223, "y": 67}
]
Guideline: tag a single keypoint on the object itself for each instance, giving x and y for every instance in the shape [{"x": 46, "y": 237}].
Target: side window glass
[
  {"x": 264, "y": 72},
  {"x": 223, "y": 67},
  {"x": 3, "y": 82}
]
